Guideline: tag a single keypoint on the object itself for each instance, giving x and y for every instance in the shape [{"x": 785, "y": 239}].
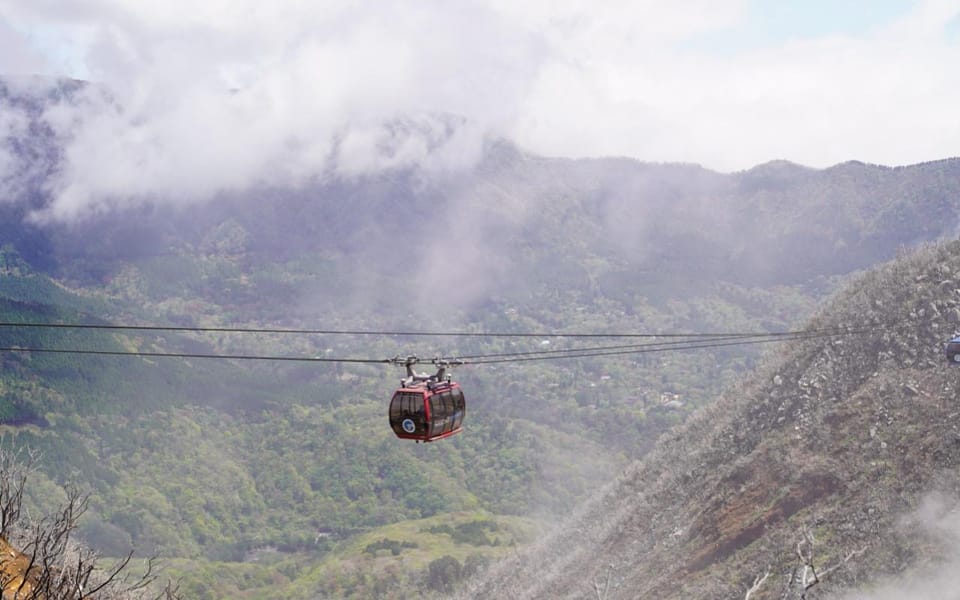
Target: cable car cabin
[
  {"x": 953, "y": 351},
  {"x": 427, "y": 411}
]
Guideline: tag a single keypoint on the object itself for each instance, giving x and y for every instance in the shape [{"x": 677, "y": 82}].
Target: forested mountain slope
[
  {"x": 283, "y": 481},
  {"x": 511, "y": 228},
  {"x": 821, "y": 459}
]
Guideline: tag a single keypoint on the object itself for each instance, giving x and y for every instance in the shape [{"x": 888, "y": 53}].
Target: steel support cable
[
  {"x": 692, "y": 345},
  {"x": 547, "y": 334},
  {"x": 678, "y": 344},
  {"x": 314, "y": 359},
  {"x": 489, "y": 359},
  {"x": 599, "y": 348}
]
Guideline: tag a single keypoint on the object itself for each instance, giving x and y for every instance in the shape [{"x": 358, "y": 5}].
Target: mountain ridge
[
  {"x": 834, "y": 442},
  {"x": 299, "y": 459}
]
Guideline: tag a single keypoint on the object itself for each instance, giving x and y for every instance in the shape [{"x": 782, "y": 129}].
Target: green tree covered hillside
[{"x": 221, "y": 465}]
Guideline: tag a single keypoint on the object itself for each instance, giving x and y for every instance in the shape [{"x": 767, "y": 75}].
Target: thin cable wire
[
  {"x": 560, "y": 351},
  {"x": 315, "y": 359},
  {"x": 691, "y": 346},
  {"x": 330, "y": 331},
  {"x": 477, "y": 360},
  {"x": 470, "y": 357},
  {"x": 545, "y": 334},
  {"x": 679, "y": 344}
]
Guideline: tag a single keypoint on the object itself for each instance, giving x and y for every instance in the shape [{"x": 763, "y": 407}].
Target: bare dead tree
[
  {"x": 40, "y": 559},
  {"x": 15, "y": 468},
  {"x": 758, "y": 582},
  {"x": 603, "y": 590},
  {"x": 805, "y": 574}
]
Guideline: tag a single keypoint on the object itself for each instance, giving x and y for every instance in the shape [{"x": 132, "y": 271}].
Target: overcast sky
[{"x": 227, "y": 92}]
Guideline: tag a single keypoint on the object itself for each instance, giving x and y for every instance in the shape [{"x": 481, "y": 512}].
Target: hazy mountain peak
[{"x": 778, "y": 166}]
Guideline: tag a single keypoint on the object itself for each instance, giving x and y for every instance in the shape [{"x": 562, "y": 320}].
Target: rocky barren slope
[{"x": 805, "y": 481}]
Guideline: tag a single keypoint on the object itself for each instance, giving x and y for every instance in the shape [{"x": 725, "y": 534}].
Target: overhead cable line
[
  {"x": 576, "y": 349},
  {"x": 664, "y": 345},
  {"x": 315, "y": 359},
  {"x": 587, "y": 352},
  {"x": 267, "y": 330},
  {"x": 39, "y": 325},
  {"x": 683, "y": 343},
  {"x": 691, "y": 345}
]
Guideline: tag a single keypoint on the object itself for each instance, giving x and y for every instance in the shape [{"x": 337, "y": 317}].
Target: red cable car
[{"x": 427, "y": 407}]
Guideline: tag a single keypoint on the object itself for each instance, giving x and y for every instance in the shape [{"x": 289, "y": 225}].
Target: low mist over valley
[{"x": 770, "y": 416}]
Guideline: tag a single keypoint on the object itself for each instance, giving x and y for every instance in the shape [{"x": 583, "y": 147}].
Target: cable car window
[
  {"x": 458, "y": 408},
  {"x": 440, "y": 412},
  {"x": 447, "y": 411},
  {"x": 395, "y": 408},
  {"x": 407, "y": 413},
  {"x": 416, "y": 411},
  {"x": 412, "y": 404}
]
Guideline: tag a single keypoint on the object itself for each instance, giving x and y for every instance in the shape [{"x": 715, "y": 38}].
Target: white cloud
[
  {"x": 881, "y": 98},
  {"x": 222, "y": 95},
  {"x": 226, "y": 95},
  {"x": 937, "y": 518},
  {"x": 16, "y": 55}
]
